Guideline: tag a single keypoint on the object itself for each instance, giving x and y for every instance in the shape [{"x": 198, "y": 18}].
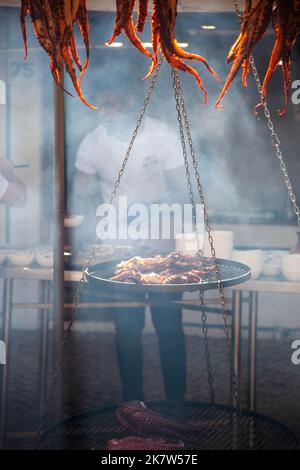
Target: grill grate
[
  {"x": 91, "y": 430},
  {"x": 232, "y": 273}
]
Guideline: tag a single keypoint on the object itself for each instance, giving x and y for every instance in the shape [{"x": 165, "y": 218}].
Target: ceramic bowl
[
  {"x": 252, "y": 258},
  {"x": 290, "y": 267}
]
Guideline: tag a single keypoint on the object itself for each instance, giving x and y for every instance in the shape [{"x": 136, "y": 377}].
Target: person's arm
[{"x": 15, "y": 192}]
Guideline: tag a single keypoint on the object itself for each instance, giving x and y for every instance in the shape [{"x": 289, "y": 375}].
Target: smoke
[
  {"x": 236, "y": 159},
  {"x": 240, "y": 176}
]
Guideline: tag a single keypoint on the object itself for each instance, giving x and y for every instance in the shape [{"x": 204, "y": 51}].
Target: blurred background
[{"x": 242, "y": 179}]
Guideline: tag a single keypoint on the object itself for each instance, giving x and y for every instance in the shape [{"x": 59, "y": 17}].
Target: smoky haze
[
  {"x": 240, "y": 175},
  {"x": 238, "y": 169}
]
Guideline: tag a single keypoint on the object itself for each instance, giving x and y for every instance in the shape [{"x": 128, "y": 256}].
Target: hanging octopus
[
  {"x": 53, "y": 23},
  {"x": 255, "y": 21},
  {"x": 163, "y": 21},
  {"x": 124, "y": 22},
  {"x": 286, "y": 23}
]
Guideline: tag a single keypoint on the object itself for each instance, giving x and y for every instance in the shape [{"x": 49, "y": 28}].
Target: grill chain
[
  {"x": 180, "y": 106},
  {"x": 179, "y": 100},
  {"x": 275, "y": 141},
  {"x": 90, "y": 260}
]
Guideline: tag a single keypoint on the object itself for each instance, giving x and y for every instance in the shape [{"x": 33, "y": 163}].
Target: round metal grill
[
  {"x": 223, "y": 430},
  {"x": 232, "y": 273}
]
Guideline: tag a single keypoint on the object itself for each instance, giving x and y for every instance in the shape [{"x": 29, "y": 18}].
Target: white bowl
[
  {"x": 223, "y": 243},
  {"x": 271, "y": 269},
  {"x": 45, "y": 259},
  {"x": 21, "y": 258},
  {"x": 272, "y": 262},
  {"x": 290, "y": 267},
  {"x": 73, "y": 221},
  {"x": 252, "y": 258}
]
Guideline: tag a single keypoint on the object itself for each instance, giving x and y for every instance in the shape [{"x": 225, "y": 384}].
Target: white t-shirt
[
  {"x": 157, "y": 149},
  {"x": 3, "y": 186}
]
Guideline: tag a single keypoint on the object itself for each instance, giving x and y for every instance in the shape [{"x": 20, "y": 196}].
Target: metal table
[{"x": 252, "y": 290}]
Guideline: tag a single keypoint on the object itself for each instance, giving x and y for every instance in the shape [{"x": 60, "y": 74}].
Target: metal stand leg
[
  {"x": 43, "y": 356},
  {"x": 237, "y": 302},
  {"x": 7, "y": 310},
  {"x": 252, "y": 343}
]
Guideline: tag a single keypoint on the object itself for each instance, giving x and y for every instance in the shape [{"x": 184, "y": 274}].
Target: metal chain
[
  {"x": 207, "y": 349},
  {"x": 90, "y": 260},
  {"x": 275, "y": 141},
  {"x": 224, "y": 312},
  {"x": 186, "y": 165},
  {"x": 196, "y": 232}
]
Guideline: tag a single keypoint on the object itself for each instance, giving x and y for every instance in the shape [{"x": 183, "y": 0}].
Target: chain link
[
  {"x": 222, "y": 298},
  {"x": 89, "y": 262},
  {"x": 186, "y": 166},
  {"x": 207, "y": 349},
  {"x": 178, "y": 99},
  {"x": 275, "y": 141}
]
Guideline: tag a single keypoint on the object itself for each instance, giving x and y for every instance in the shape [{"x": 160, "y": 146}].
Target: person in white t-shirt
[
  {"x": 12, "y": 190},
  {"x": 155, "y": 173}
]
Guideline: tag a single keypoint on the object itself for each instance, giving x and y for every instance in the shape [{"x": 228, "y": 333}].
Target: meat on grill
[{"x": 174, "y": 268}]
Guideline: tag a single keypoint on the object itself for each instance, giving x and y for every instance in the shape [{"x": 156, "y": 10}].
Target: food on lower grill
[
  {"x": 53, "y": 23},
  {"x": 136, "y": 418},
  {"x": 174, "y": 268},
  {"x": 142, "y": 443}
]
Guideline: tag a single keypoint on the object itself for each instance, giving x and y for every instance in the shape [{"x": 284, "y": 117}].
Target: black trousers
[{"x": 167, "y": 320}]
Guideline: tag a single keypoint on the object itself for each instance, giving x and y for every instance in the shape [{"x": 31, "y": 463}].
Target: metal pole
[
  {"x": 7, "y": 289},
  {"x": 58, "y": 233},
  {"x": 236, "y": 333},
  {"x": 252, "y": 346},
  {"x": 43, "y": 356}
]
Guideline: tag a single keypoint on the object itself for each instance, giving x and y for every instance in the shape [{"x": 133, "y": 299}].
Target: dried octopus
[
  {"x": 53, "y": 22},
  {"x": 255, "y": 21},
  {"x": 163, "y": 21},
  {"x": 286, "y": 23},
  {"x": 258, "y": 14}
]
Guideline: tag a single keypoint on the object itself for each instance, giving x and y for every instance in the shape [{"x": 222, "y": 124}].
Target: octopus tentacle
[
  {"x": 286, "y": 24},
  {"x": 24, "y": 12},
  {"x": 39, "y": 29},
  {"x": 246, "y": 69},
  {"x": 296, "y": 5},
  {"x": 163, "y": 24},
  {"x": 155, "y": 41},
  {"x": 124, "y": 21},
  {"x": 142, "y": 15},
  {"x": 173, "y": 44},
  {"x": 75, "y": 55},
  {"x": 53, "y": 23},
  {"x": 255, "y": 21},
  {"x": 71, "y": 71},
  {"x": 83, "y": 24},
  {"x": 134, "y": 39},
  {"x": 177, "y": 63}
]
